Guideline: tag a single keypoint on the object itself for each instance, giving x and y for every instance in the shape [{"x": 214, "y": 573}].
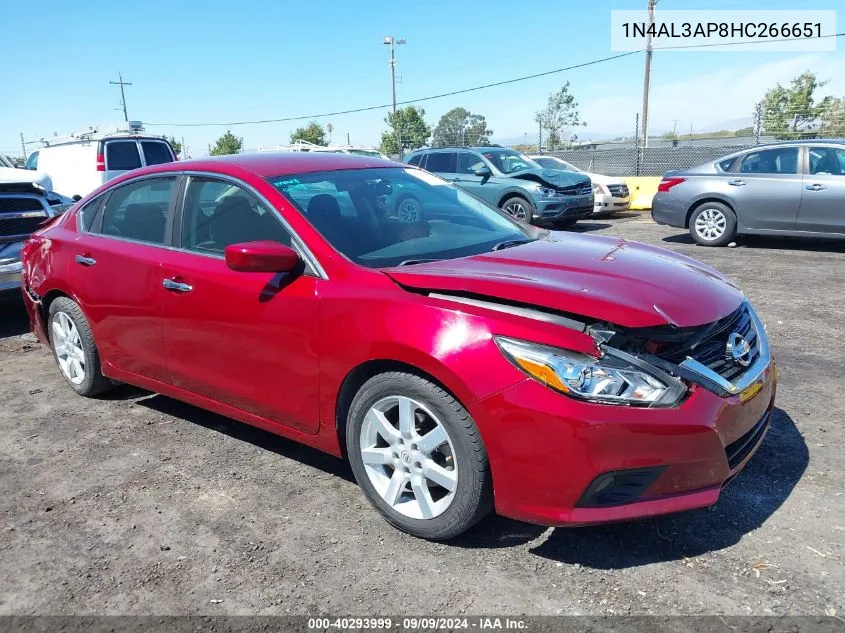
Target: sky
[{"x": 212, "y": 61}]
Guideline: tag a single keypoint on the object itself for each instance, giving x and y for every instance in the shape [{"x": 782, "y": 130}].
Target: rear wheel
[
  {"x": 713, "y": 224},
  {"x": 74, "y": 349},
  {"x": 518, "y": 208},
  {"x": 418, "y": 456}
]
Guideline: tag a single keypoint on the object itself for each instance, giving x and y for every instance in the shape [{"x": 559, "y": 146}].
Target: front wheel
[
  {"x": 518, "y": 208},
  {"x": 418, "y": 456},
  {"x": 713, "y": 224}
]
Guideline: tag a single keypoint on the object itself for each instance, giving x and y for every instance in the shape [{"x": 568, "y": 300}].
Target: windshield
[
  {"x": 391, "y": 216},
  {"x": 550, "y": 162},
  {"x": 509, "y": 161}
]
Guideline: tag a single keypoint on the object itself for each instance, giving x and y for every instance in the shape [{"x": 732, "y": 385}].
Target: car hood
[
  {"x": 605, "y": 180},
  {"x": 11, "y": 176},
  {"x": 597, "y": 277},
  {"x": 553, "y": 177}
]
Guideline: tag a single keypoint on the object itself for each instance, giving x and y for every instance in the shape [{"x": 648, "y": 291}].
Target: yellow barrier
[{"x": 642, "y": 190}]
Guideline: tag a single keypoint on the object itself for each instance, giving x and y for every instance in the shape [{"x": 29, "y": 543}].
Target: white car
[
  {"x": 26, "y": 200},
  {"x": 611, "y": 194},
  {"x": 82, "y": 162}
]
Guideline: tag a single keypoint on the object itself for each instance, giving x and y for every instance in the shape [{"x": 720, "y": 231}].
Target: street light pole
[
  {"x": 647, "y": 77},
  {"x": 391, "y": 41}
]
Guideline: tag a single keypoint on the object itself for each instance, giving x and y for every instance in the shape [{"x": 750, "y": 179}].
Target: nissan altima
[{"x": 461, "y": 363}]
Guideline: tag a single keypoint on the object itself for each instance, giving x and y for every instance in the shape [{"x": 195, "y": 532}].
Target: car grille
[
  {"x": 741, "y": 448},
  {"x": 618, "y": 191},
  {"x": 20, "y": 216},
  {"x": 577, "y": 190},
  {"x": 11, "y": 204},
  {"x": 709, "y": 345}
]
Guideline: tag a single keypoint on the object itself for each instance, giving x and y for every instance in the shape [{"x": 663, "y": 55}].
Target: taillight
[
  {"x": 667, "y": 183},
  {"x": 101, "y": 163}
]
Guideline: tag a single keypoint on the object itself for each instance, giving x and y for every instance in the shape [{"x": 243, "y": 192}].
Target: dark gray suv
[{"x": 507, "y": 179}]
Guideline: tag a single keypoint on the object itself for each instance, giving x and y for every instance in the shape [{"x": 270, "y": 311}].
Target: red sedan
[{"x": 460, "y": 362}]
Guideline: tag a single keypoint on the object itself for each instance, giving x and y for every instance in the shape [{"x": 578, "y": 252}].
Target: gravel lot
[{"x": 140, "y": 504}]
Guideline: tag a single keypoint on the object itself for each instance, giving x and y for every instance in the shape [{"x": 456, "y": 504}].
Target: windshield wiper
[
  {"x": 509, "y": 243},
  {"x": 411, "y": 262}
]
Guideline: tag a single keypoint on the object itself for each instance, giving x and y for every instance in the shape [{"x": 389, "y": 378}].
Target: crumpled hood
[
  {"x": 555, "y": 177},
  {"x": 11, "y": 176},
  {"x": 597, "y": 277}
]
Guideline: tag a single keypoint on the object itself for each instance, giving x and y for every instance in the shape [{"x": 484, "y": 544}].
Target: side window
[
  {"x": 771, "y": 161},
  {"x": 469, "y": 162},
  {"x": 218, "y": 213},
  {"x": 122, "y": 155},
  {"x": 828, "y": 161},
  {"x": 138, "y": 211},
  {"x": 32, "y": 161},
  {"x": 156, "y": 152},
  {"x": 442, "y": 162},
  {"x": 87, "y": 213},
  {"x": 415, "y": 160},
  {"x": 727, "y": 164}
]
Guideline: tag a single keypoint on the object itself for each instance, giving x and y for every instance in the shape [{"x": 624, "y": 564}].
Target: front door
[
  {"x": 248, "y": 340},
  {"x": 766, "y": 190},
  {"x": 823, "y": 201},
  {"x": 117, "y": 274}
]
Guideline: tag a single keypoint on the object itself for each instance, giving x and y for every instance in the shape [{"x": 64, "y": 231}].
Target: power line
[{"x": 475, "y": 88}]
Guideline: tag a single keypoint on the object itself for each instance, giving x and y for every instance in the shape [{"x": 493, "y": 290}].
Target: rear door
[
  {"x": 765, "y": 188},
  {"x": 247, "y": 340},
  {"x": 156, "y": 152},
  {"x": 823, "y": 200},
  {"x": 116, "y": 272},
  {"x": 444, "y": 164},
  {"x": 121, "y": 155}
]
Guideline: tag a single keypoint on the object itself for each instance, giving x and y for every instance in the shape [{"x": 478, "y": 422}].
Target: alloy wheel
[
  {"x": 517, "y": 210},
  {"x": 711, "y": 224},
  {"x": 408, "y": 457},
  {"x": 67, "y": 345}
]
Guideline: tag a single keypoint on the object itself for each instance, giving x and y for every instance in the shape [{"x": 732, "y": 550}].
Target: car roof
[
  {"x": 808, "y": 141},
  {"x": 267, "y": 164}
]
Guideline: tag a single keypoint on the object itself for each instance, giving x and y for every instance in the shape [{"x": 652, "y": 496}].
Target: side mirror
[
  {"x": 483, "y": 172},
  {"x": 76, "y": 197},
  {"x": 261, "y": 257}
]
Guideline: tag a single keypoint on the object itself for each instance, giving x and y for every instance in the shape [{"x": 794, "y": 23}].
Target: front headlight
[
  {"x": 548, "y": 192},
  {"x": 599, "y": 188},
  {"x": 616, "y": 378}
]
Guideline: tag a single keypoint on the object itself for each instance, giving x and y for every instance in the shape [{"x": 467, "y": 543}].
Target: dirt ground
[{"x": 140, "y": 504}]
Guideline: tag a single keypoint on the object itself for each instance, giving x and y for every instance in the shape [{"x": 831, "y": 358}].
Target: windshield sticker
[{"x": 284, "y": 184}]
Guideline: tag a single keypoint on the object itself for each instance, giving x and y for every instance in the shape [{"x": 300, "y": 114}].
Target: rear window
[
  {"x": 727, "y": 164},
  {"x": 156, "y": 152},
  {"x": 122, "y": 155}
]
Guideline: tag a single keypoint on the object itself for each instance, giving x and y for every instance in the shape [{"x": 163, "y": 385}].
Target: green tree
[
  {"x": 833, "y": 118},
  {"x": 408, "y": 131},
  {"x": 460, "y": 127},
  {"x": 745, "y": 131},
  {"x": 176, "y": 145},
  {"x": 560, "y": 117},
  {"x": 227, "y": 144},
  {"x": 312, "y": 133},
  {"x": 790, "y": 112}
]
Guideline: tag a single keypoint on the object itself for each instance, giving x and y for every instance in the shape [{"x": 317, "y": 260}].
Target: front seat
[{"x": 324, "y": 214}]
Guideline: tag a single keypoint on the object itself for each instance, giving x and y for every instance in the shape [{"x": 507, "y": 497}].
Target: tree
[
  {"x": 460, "y": 127},
  {"x": 227, "y": 144},
  {"x": 745, "y": 131},
  {"x": 559, "y": 117},
  {"x": 408, "y": 131},
  {"x": 329, "y": 129},
  {"x": 791, "y": 112},
  {"x": 833, "y": 118},
  {"x": 176, "y": 145},
  {"x": 312, "y": 133}
]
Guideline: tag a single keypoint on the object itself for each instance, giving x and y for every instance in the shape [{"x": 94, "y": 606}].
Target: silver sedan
[{"x": 791, "y": 188}]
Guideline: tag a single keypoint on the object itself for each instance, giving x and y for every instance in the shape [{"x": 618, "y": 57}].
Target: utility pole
[
  {"x": 122, "y": 83},
  {"x": 23, "y": 147},
  {"x": 647, "y": 78},
  {"x": 392, "y": 42}
]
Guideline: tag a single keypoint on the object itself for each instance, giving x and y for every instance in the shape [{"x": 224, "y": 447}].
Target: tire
[
  {"x": 74, "y": 349},
  {"x": 713, "y": 224},
  {"x": 408, "y": 209},
  {"x": 408, "y": 468},
  {"x": 518, "y": 208}
]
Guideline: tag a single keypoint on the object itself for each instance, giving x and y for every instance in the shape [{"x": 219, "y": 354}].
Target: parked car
[
  {"x": 459, "y": 366},
  {"x": 79, "y": 164},
  {"x": 789, "y": 188},
  {"x": 509, "y": 180},
  {"x": 26, "y": 200},
  {"x": 611, "y": 194}
]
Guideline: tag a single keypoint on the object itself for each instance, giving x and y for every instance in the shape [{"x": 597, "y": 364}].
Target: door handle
[
  {"x": 737, "y": 182},
  {"x": 815, "y": 187},
  {"x": 85, "y": 260},
  {"x": 176, "y": 286}
]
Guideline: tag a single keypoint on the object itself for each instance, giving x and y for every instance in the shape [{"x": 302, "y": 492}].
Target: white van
[{"x": 79, "y": 164}]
